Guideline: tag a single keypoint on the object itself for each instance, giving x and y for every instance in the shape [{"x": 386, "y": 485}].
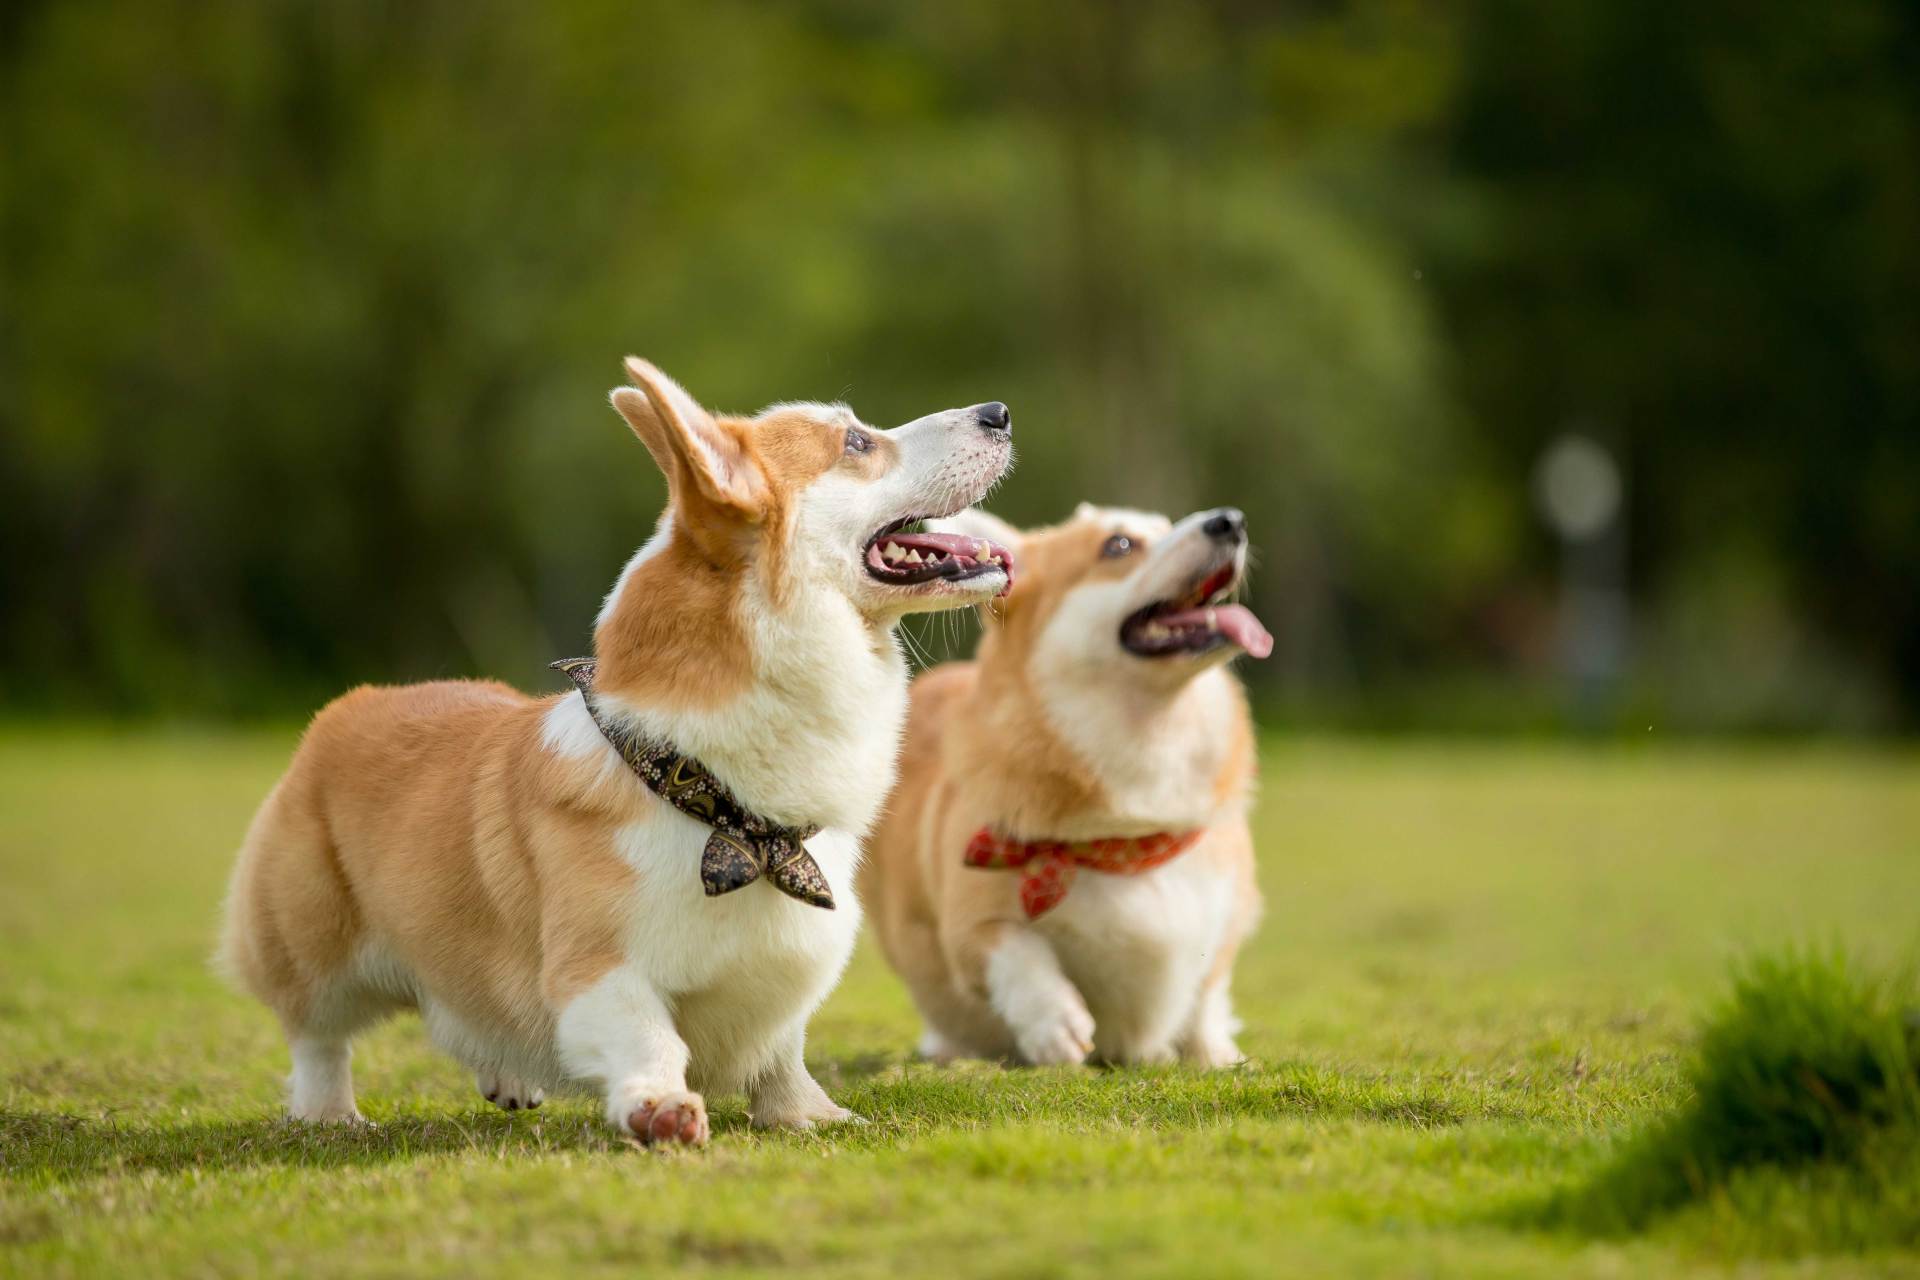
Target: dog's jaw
[{"x": 805, "y": 728}]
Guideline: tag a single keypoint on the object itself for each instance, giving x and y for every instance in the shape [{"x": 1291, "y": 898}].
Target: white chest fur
[
  {"x": 690, "y": 943},
  {"x": 736, "y": 971},
  {"x": 1137, "y": 948},
  {"x": 739, "y": 969}
]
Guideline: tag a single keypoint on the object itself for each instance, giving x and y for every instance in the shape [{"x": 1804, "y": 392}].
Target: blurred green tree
[
  {"x": 1701, "y": 238},
  {"x": 306, "y": 314}
]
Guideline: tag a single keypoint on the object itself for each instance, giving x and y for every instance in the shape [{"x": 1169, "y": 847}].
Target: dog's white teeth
[
  {"x": 893, "y": 552},
  {"x": 984, "y": 551},
  {"x": 1211, "y": 624},
  {"x": 913, "y": 557}
]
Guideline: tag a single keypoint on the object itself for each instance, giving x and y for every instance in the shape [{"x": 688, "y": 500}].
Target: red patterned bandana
[{"x": 1052, "y": 864}]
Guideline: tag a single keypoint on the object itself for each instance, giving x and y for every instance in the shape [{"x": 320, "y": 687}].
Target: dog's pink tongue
[
  {"x": 1234, "y": 621},
  {"x": 954, "y": 544},
  {"x": 948, "y": 544}
]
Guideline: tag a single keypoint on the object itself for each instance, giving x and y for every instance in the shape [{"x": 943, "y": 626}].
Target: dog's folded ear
[{"x": 706, "y": 462}]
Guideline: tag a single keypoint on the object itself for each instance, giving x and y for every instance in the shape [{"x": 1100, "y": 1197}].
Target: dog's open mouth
[
  {"x": 904, "y": 554},
  {"x": 1196, "y": 622}
]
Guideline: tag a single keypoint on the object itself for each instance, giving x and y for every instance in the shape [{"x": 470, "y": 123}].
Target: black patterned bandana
[{"x": 744, "y": 846}]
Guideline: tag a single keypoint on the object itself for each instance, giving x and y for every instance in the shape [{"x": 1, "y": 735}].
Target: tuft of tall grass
[{"x": 1810, "y": 1060}]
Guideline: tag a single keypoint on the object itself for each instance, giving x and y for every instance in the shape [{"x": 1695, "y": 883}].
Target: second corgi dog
[{"x": 1065, "y": 868}]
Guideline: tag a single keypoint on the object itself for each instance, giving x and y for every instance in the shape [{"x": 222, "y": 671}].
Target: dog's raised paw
[{"x": 671, "y": 1119}]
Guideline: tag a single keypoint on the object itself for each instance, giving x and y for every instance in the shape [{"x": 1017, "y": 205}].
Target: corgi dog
[
  {"x": 643, "y": 887},
  {"x": 1065, "y": 869}
]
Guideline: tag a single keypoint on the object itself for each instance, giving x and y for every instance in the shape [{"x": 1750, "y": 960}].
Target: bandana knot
[
  {"x": 1051, "y": 865},
  {"x": 743, "y": 846}
]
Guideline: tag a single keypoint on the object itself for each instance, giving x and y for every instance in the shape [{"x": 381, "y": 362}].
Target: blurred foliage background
[{"x": 308, "y": 311}]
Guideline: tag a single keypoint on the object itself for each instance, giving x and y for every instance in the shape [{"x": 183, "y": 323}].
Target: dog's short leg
[
  {"x": 937, "y": 1049},
  {"x": 322, "y": 1084},
  {"x": 620, "y": 1033},
  {"x": 1208, "y": 1038},
  {"x": 509, "y": 1093},
  {"x": 786, "y": 1096},
  {"x": 1038, "y": 1002}
]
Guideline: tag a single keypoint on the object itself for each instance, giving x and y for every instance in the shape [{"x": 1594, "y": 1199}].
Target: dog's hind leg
[
  {"x": 321, "y": 1038},
  {"x": 291, "y": 939},
  {"x": 321, "y": 1088},
  {"x": 508, "y": 1092},
  {"x": 934, "y": 1047}
]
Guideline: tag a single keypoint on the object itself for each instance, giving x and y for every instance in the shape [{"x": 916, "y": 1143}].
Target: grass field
[{"x": 1478, "y": 974}]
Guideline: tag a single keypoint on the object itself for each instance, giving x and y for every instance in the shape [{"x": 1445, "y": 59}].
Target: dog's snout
[
  {"x": 994, "y": 416},
  {"x": 1227, "y": 524}
]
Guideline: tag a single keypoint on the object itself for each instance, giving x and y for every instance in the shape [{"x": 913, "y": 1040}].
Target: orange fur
[
  {"x": 982, "y": 750},
  {"x": 427, "y": 815},
  {"x": 484, "y": 856}
]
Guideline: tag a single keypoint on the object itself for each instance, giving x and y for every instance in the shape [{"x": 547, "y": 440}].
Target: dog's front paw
[
  {"x": 1214, "y": 1054},
  {"x": 670, "y": 1119},
  {"x": 825, "y": 1113},
  {"x": 508, "y": 1093},
  {"x": 792, "y": 1099},
  {"x": 1062, "y": 1035}
]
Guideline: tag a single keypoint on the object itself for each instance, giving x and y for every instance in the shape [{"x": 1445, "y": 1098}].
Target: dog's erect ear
[{"x": 705, "y": 462}]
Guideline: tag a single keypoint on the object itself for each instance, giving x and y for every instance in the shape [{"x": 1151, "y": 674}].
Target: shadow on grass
[
  {"x": 57, "y": 1147},
  {"x": 901, "y": 1102},
  {"x": 920, "y": 1095}
]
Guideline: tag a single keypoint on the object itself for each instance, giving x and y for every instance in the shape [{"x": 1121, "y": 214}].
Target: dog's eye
[
  {"x": 858, "y": 441},
  {"x": 1116, "y": 546}
]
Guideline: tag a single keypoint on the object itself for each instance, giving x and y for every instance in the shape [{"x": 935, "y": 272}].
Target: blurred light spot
[{"x": 1578, "y": 488}]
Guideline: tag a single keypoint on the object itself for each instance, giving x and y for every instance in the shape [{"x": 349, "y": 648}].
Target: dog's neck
[
  {"x": 797, "y": 708},
  {"x": 1094, "y": 757}
]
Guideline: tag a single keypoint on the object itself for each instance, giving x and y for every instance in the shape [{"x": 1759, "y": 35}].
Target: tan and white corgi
[
  {"x": 658, "y": 918},
  {"x": 1065, "y": 867}
]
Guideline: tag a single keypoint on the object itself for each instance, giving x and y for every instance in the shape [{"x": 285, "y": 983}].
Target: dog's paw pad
[{"x": 673, "y": 1119}]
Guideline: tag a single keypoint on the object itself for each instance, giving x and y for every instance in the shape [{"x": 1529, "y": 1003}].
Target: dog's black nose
[
  {"x": 1228, "y": 524},
  {"x": 994, "y": 416}
]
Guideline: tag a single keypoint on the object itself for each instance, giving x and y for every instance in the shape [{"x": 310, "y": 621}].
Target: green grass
[
  {"x": 1474, "y": 992},
  {"x": 1812, "y": 1062}
]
